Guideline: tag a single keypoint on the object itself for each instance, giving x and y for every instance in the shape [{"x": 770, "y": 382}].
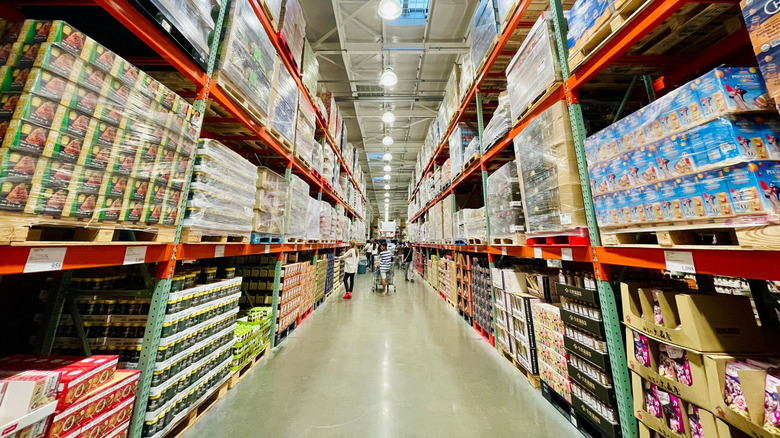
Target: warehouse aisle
[{"x": 398, "y": 366}]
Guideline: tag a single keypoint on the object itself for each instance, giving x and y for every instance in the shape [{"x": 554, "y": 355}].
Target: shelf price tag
[
  {"x": 566, "y": 254},
  {"x": 45, "y": 259},
  {"x": 538, "y": 253},
  {"x": 680, "y": 261},
  {"x": 267, "y": 249},
  {"x": 503, "y": 250},
  {"x": 134, "y": 255},
  {"x": 219, "y": 251},
  {"x": 554, "y": 263}
]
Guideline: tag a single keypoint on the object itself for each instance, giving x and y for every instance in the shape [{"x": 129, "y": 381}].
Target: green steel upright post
[
  {"x": 617, "y": 350},
  {"x": 153, "y": 332}
]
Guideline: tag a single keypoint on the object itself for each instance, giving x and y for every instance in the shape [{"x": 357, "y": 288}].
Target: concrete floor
[{"x": 404, "y": 365}]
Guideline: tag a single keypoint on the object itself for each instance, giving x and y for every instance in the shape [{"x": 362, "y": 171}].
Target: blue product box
[
  {"x": 754, "y": 187},
  {"x": 610, "y": 210},
  {"x": 636, "y": 207},
  {"x": 583, "y": 16},
  {"x": 728, "y": 140},
  {"x": 687, "y": 106},
  {"x": 671, "y": 209},
  {"x": 618, "y": 199},
  {"x": 636, "y": 132},
  {"x": 599, "y": 206},
  {"x": 623, "y": 139},
  {"x": 640, "y": 166},
  {"x": 690, "y": 197},
  {"x": 610, "y": 145},
  {"x": 761, "y": 18},
  {"x": 673, "y": 156},
  {"x": 652, "y": 203},
  {"x": 731, "y": 90},
  {"x": 666, "y": 112},
  {"x": 598, "y": 178},
  {"x": 772, "y": 136},
  {"x": 715, "y": 193},
  {"x": 617, "y": 174}
]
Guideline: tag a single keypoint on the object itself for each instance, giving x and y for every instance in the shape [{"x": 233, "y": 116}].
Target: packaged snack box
[
  {"x": 731, "y": 90},
  {"x": 22, "y": 55},
  {"x": 651, "y": 202},
  {"x": 728, "y": 140},
  {"x": 29, "y": 390},
  {"x": 25, "y": 137},
  {"x": 673, "y": 156},
  {"x": 690, "y": 197},
  {"x": 754, "y": 187},
  {"x": 715, "y": 193}
]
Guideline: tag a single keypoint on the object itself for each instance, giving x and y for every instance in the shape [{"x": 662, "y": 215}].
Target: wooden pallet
[
  {"x": 573, "y": 237},
  {"x": 202, "y": 236},
  {"x": 475, "y": 241},
  {"x": 533, "y": 379},
  {"x": 239, "y": 96},
  {"x": 187, "y": 422},
  {"x": 268, "y": 15},
  {"x": 266, "y": 238},
  {"x": 764, "y": 237},
  {"x": 16, "y": 228},
  {"x": 516, "y": 239},
  {"x": 536, "y": 101},
  {"x": 242, "y": 372},
  {"x": 472, "y": 160},
  {"x": 294, "y": 240},
  {"x": 280, "y": 139}
]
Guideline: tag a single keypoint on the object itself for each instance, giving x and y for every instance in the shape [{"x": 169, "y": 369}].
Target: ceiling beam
[
  {"x": 445, "y": 48},
  {"x": 381, "y": 99}
]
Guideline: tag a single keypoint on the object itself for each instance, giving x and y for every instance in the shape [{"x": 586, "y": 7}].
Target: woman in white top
[{"x": 350, "y": 268}]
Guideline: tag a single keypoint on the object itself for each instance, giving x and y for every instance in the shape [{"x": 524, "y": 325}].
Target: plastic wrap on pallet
[
  {"x": 504, "y": 9},
  {"x": 534, "y": 68},
  {"x": 274, "y": 8},
  {"x": 348, "y": 153},
  {"x": 446, "y": 214},
  {"x": 328, "y": 164},
  {"x": 325, "y": 222},
  {"x": 270, "y": 202},
  {"x": 297, "y": 208},
  {"x": 313, "y": 219},
  {"x": 193, "y": 19},
  {"x": 505, "y": 202},
  {"x": 451, "y": 100},
  {"x": 471, "y": 151},
  {"x": 706, "y": 152},
  {"x": 483, "y": 31},
  {"x": 247, "y": 61},
  {"x": 222, "y": 191},
  {"x": 330, "y": 111},
  {"x": 474, "y": 223},
  {"x": 305, "y": 130},
  {"x": 89, "y": 137},
  {"x": 763, "y": 36},
  {"x": 499, "y": 124},
  {"x": 311, "y": 69},
  {"x": 446, "y": 172},
  {"x": 292, "y": 28},
  {"x": 284, "y": 104},
  {"x": 317, "y": 158},
  {"x": 547, "y": 165},
  {"x": 586, "y": 17},
  {"x": 460, "y": 138},
  {"x": 466, "y": 76}
]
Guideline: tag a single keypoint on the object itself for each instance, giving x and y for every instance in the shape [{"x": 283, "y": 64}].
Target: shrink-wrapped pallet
[
  {"x": 472, "y": 150},
  {"x": 460, "y": 138},
  {"x": 535, "y": 68},
  {"x": 499, "y": 124},
  {"x": 446, "y": 215},
  {"x": 284, "y": 104},
  {"x": 466, "y": 76},
  {"x": 292, "y": 28},
  {"x": 317, "y": 158},
  {"x": 270, "y": 202},
  {"x": 451, "y": 100},
  {"x": 313, "y": 219},
  {"x": 474, "y": 223},
  {"x": 483, "y": 31},
  {"x": 297, "y": 209},
  {"x": 311, "y": 69},
  {"x": 305, "y": 130},
  {"x": 505, "y": 202},
  {"x": 547, "y": 165},
  {"x": 326, "y": 224},
  {"x": 222, "y": 192},
  {"x": 585, "y": 18},
  {"x": 504, "y": 9},
  {"x": 194, "y": 19}
]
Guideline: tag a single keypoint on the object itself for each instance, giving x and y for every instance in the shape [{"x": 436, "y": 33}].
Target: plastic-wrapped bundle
[
  {"x": 270, "y": 202},
  {"x": 87, "y": 134},
  {"x": 311, "y": 69},
  {"x": 471, "y": 151},
  {"x": 446, "y": 172},
  {"x": 466, "y": 76},
  {"x": 547, "y": 165},
  {"x": 193, "y": 18},
  {"x": 534, "y": 68},
  {"x": 284, "y": 106},
  {"x": 446, "y": 215},
  {"x": 499, "y": 125},
  {"x": 483, "y": 30},
  {"x": 348, "y": 152},
  {"x": 325, "y": 223},
  {"x": 248, "y": 57},
  {"x": 313, "y": 219},
  {"x": 451, "y": 100},
  {"x": 274, "y": 8},
  {"x": 504, "y": 8},
  {"x": 474, "y": 223},
  {"x": 222, "y": 191},
  {"x": 317, "y": 159},
  {"x": 459, "y": 139},
  {"x": 505, "y": 202},
  {"x": 292, "y": 28},
  {"x": 331, "y": 113},
  {"x": 297, "y": 209},
  {"x": 328, "y": 164},
  {"x": 305, "y": 129},
  {"x": 585, "y": 17}
]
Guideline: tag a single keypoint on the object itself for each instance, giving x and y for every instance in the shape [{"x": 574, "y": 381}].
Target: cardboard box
[
  {"x": 514, "y": 281},
  {"x": 27, "y": 391},
  {"x": 706, "y": 323}
]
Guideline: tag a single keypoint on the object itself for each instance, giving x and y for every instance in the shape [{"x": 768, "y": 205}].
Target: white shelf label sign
[
  {"x": 503, "y": 250},
  {"x": 134, "y": 255},
  {"x": 267, "y": 249},
  {"x": 45, "y": 259},
  {"x": 566, "y": 254},
  {"x": 680, "y": 261},
  {"x": 538, "y": 253},
  {"x": 219, "y": 251}
]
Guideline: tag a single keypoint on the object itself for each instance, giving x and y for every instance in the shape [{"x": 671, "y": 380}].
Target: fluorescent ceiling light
[
  {"x": 387, "y": 168},
  {"x": 387, "y": 157},
  {"x": 387, "y": 186},
  {"x": 388, "y": 78},
  {"x": 388, "y": 117},
  {"x": 387, "y": 195},
  {"x": 387, "y": 177},
  {"x": 387, "y": 141},
  {"x": 389, "y": 9}
]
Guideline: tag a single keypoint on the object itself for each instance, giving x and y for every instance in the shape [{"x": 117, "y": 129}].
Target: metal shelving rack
[{"x": 81, "y": 255}]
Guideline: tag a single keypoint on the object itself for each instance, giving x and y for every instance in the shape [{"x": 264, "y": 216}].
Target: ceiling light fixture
[
  {"x": 390, "y": 9},
  {"x": 387, "y": 186},
  {"x": 387, "y": 157},
  {"x": 387, "y": 168},
  {"x": 387, "y": 195},
  {"x": 387, "y": 141},
  {"x": 387, "y": 177},
  {"x": 388, "y": 117},
  {"x": 387, "y": 201},
  {"x": 388, "y": 78}
]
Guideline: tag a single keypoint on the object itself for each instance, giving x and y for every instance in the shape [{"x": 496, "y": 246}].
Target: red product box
[
  {"x": 120, "y": 431},
  {"x": 104, "y": 398},
  {"x": 29, "y": 390},
  {"x": 106, "y": 423},
  {"x": 83, "y": 376}
]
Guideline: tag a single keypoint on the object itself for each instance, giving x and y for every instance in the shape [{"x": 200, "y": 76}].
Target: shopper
[
  {"x": 370, "y": 256},
  {"x": 374, "y": 254},
  {"x": 385, "y": 264},
  {"x": 350, "y": 268}
]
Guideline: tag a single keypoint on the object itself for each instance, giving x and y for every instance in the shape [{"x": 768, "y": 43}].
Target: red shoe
[{"x": 347, "y": 296}]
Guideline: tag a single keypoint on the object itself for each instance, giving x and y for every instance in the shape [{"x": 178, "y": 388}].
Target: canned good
[
  {"x": 177, "y": 283},
  {"x": 230, "y": 273}
]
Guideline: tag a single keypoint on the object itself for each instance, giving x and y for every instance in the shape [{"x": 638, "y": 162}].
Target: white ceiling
[{"x": 354, "y": 45}]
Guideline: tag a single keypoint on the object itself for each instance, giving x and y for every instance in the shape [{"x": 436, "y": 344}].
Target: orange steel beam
[
  {"x": 643, "y": 24},
  {"x": 81, "y": 255}
]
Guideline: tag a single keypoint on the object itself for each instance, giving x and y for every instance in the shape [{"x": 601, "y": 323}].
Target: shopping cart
[{"x": 378, "y": 281}]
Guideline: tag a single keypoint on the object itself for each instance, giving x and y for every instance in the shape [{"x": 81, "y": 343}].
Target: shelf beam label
[
  {"x": 267, "y": 249},
  {"x": 680, "y": 261},
  {"x": 135, "y": 255},
  {"x": 219, "y": 251},
  {"x": 45, "y": 259},
  {"x": 538, "y": 253},
  {"x": 567, "y": 254}
]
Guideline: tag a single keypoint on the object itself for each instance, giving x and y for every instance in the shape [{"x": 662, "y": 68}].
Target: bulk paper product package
[
  {"x": 434, "y": 218},
  {"x": 326, "y": 224},
  {"x": 297, "y": 209},
  {"x": 86, "y": 134},
  {"x": 547, "y": 165},
  {"x": 222, "y": 191},
  {"x": 271, "y": 197},
  {"x": 194, "y": 19},
  {"x": 702, "y": 152},
  {"x": 504, "y": 202},
  {"x": 474, "y": 223},
  {"x": 483, "y": 30},
  {"x": 292, "y": 28},
  {"x": 317, "y": 158},
  {"x": 447, "y": 216},
  {"x": 761, "y": 23},
  {"x": 304, "y": 132},
  {"x": 313, "y": 219},
  {"x": 460, "y": 138},
  {"x": 534, "y": 68},
  {"x": 451, "y": 100},
  {"x": 248, "y": 58},
  {"x": 284, "y": 104},
  {"x": 311, "y": 69},
  {"x": 499, "y": 124}
]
